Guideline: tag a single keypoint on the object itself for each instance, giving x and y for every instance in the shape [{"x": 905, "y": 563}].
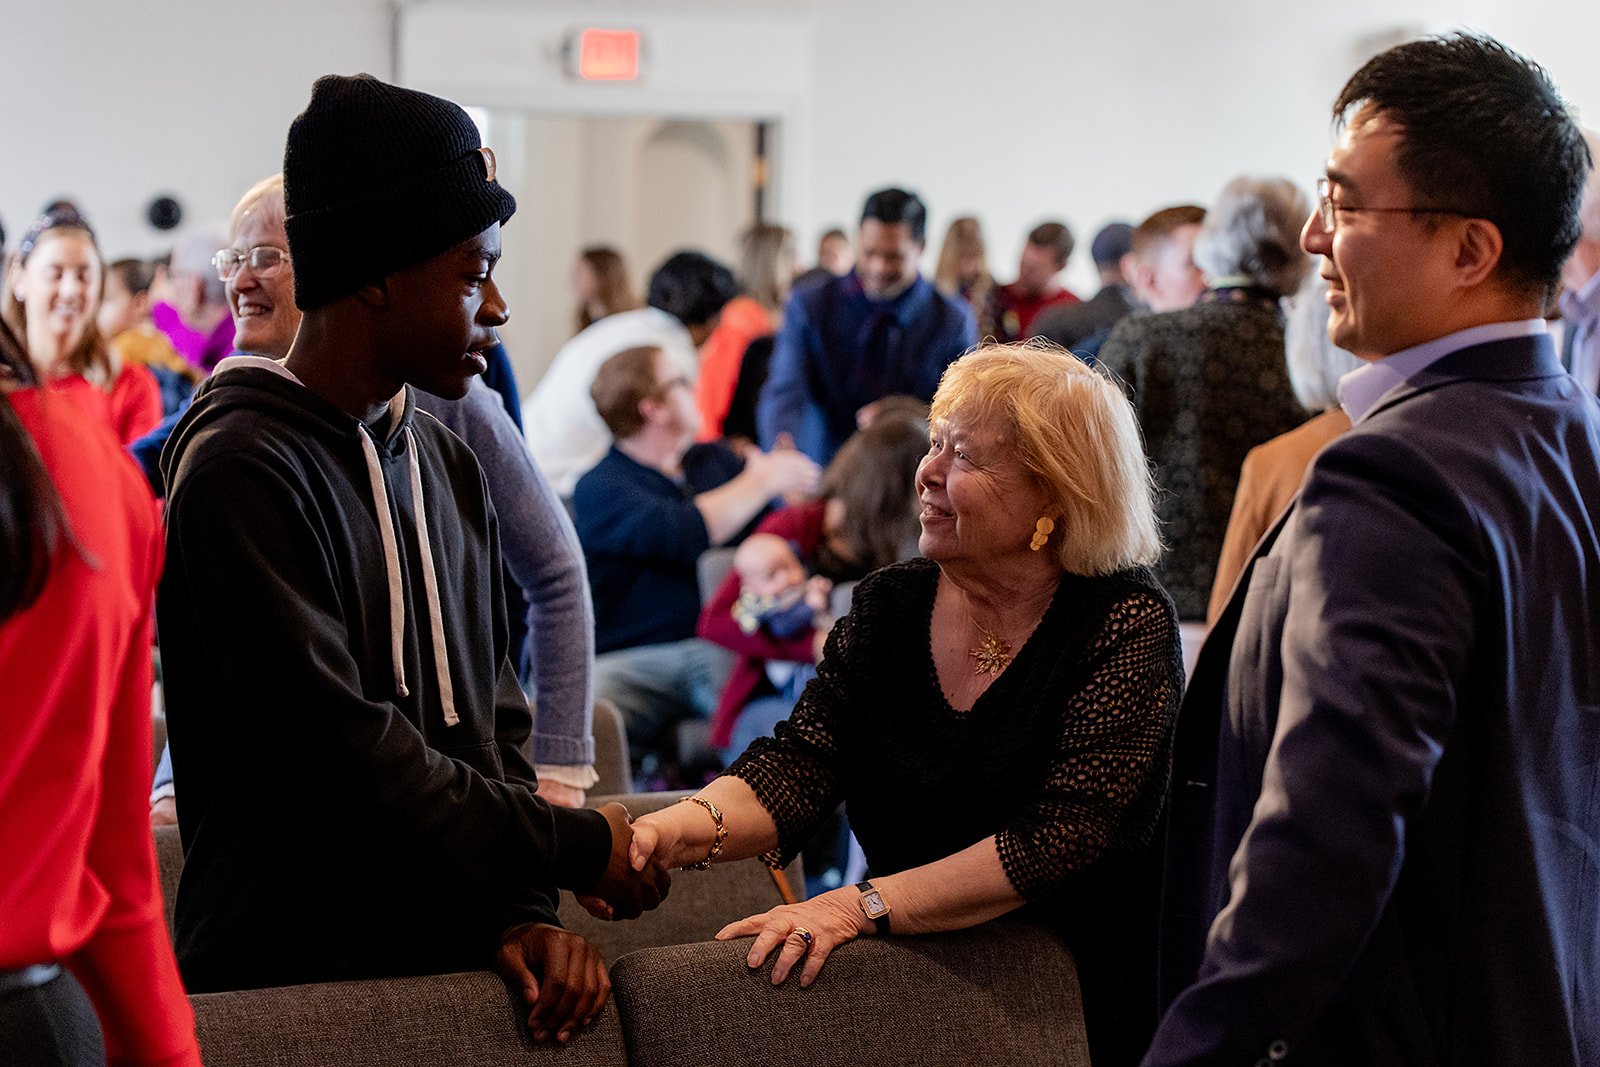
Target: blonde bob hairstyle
[{"x": 1074, "y": 430}]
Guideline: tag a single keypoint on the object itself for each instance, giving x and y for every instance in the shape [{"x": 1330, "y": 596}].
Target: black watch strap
[{"x": 879, "y": 914}]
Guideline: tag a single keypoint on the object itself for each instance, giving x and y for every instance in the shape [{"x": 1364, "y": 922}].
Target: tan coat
[{"x": 1268, "y": 480}]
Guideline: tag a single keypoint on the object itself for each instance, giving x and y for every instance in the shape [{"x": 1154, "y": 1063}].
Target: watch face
[{"x": 873, "y": 903}]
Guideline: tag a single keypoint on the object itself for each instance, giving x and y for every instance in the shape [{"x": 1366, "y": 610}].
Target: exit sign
[{"x": 608, "y": 55}]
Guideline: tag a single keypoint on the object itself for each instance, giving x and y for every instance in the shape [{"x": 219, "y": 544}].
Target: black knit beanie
[{"x": 377, "y": 178}]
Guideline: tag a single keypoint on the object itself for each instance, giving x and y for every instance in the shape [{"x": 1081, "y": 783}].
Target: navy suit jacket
[
  {"x": 1387, "y": 768},
  {"x": 839, "y": 351}
]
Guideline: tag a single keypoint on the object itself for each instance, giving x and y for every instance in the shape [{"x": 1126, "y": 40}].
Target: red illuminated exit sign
[{"x": 605, "y": 55}]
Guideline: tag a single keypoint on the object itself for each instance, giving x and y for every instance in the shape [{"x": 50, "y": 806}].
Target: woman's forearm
[
  {"x": 962, "y": 890},
  {"x": 684, "y": 833}
]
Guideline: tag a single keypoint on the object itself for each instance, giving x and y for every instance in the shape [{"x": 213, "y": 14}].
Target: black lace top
[{"x": 1065, "y": 758}]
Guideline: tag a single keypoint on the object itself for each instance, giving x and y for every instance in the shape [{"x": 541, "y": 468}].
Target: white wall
[
  {"x": 1013, "y": 110},
  {"x": 114, "y": 102}
]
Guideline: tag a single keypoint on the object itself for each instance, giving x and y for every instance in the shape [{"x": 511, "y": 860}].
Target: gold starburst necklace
[{"x": 991, "y": 654}]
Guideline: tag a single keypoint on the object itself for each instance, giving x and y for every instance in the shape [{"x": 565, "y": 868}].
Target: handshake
[{"x": 622, "y": 892}]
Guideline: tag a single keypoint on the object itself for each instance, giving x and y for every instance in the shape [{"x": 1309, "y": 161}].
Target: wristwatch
[{"x": 872, "y": 903}]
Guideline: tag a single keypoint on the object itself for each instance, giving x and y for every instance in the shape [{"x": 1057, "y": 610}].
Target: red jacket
[
  {"x": 801, "y": 525},
  {"x": 78, "y": 885}
]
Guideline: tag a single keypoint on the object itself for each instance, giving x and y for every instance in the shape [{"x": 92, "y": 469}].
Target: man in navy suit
[{"x": 1384, "y": 845}]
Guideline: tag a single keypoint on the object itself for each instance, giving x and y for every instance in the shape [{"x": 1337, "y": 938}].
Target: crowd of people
[{"x": 938, "y": 550}]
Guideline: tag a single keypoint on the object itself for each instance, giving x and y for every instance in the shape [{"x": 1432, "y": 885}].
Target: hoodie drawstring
[
  {"x": 391, "y": 561},
  {"x": 430, "y": 581}
]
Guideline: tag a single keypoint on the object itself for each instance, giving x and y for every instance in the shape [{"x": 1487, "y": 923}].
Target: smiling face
[
  {"x": 59, "y": 288},
  {"x": 979, "y": 504},
  {"x": 442, "y": 315},
  {"x": 264, "y": 314},
  {"x": 887, "y": 264},
  {"x": 1388, "y": 272}
]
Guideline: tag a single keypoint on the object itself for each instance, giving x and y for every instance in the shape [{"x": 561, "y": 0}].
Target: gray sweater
[{"x": 541, "y": 548}]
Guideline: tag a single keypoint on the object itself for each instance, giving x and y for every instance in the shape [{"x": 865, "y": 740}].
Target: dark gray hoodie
[{"x": 347, "y": 730}]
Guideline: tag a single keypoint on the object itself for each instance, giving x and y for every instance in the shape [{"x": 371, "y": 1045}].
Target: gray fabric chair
[
  {"x": 612, "y": 760},
  {"x": 712, "y": 566},
  {"x": 453, "y": 1020},
  {"x": 169, "y": 865},
  {"x": 1004, "y": 995},
  {"x": 158, "y": 738}
]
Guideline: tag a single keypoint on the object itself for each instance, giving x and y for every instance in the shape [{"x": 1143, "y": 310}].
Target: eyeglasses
[
  {"x": 1327, "y": 210},
  {"x": 263, "y": 259}
]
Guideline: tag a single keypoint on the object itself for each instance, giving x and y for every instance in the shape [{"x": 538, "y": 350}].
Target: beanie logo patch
[{"x": 487, "y": 155}]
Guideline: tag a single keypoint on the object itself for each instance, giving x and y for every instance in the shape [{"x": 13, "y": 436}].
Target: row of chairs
[{"x": 1008, "y": 988}]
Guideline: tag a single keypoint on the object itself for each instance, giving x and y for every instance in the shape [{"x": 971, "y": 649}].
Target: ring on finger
[{"x": 804, "y": 935}]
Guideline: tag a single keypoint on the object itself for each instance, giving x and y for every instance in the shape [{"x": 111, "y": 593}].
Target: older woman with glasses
[
  {"x": 997, "y": 716},
  {"x": 52, "y": 296}
]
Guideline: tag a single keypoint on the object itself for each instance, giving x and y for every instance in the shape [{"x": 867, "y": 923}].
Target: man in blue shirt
[
  {"x": 881, "y": 330},
  {"x": 645, "y": 513}
]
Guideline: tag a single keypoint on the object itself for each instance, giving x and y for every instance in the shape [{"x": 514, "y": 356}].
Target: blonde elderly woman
[
  {"x": 997, "y": 715},
  {"x": 1208, "y": 382}
]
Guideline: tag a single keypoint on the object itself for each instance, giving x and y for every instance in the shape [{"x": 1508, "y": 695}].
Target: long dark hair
[
  {"x": 32, "y": 522},
  {"x": 874, "y": 475}
]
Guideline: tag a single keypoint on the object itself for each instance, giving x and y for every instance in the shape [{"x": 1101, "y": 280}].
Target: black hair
[
  {"x": 1057, "y": 237},
  {"x": 1484, "y": 133},
  {"x": 891, "y": 206},
  {"x": 692, "y": 287},
  {"x": 32, "y": 522}
]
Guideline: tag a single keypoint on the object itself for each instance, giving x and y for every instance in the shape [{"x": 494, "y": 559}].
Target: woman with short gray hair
[
  {"x": 1272, "y": 472},
  {"x": 1208, "y": 381},
  {"x": 1251, "y": 237}
]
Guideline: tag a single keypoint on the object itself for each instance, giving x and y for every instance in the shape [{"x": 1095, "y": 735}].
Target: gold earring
[{"x": 1041, "y": 532}]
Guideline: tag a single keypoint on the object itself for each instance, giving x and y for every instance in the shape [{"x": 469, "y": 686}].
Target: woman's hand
[
  {"x": 677, "y": 835},
  {"x": 831, "y": 919}
]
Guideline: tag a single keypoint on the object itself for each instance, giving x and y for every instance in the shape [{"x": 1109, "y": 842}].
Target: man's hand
[
  {"x": 626, "y": 893},
  {"x": 819, "y": 595},
  {"x": 784, "y": 472},
  {"x": 559, "y": 973}
]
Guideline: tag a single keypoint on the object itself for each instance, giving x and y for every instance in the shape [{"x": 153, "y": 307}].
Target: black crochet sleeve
[{"x": 1113, "y": 758}]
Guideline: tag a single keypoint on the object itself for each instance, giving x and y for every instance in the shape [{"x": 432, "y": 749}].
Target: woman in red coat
[
  {"x": 80, "y": 552},
  {"x": 52, "y": 296}
]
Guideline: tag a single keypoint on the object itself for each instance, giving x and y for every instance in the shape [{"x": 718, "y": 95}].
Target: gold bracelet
[{"x": 722, "y": 834}]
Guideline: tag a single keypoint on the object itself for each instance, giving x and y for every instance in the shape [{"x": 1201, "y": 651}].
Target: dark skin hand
[
  {"x": 622, "y": 892},
  {"x": 570, "y": 986}
]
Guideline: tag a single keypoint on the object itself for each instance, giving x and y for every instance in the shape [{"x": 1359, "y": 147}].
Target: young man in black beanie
[{"x": 345, "y": 722}]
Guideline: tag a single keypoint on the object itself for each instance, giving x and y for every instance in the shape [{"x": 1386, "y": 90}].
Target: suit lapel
[{"x": 1185, "y": 916}]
